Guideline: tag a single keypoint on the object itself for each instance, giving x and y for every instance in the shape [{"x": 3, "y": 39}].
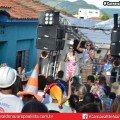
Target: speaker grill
[
  {"x": 50, "y": 43},
  {"x": 115, "y": 36},
  {"x": 51, "y": 31},
  {"x": 115, "y": 49}
]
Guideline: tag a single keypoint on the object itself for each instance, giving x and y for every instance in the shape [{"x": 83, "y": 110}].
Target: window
[
  {"x": 82, "y": 17},
  {"x": 96, "y": 12},
  {"x": 22, "y": 59},
  {"x": 90, "y": 11}
]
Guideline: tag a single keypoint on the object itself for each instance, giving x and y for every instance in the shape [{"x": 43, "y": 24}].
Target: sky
[{"x": 99, "y": 3}]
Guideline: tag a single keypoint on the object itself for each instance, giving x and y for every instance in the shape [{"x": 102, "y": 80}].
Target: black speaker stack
[
  {"x": 50, "y": 37},
  {"x": 115, "y": 39},
  {"x": 54, "y": 31}
]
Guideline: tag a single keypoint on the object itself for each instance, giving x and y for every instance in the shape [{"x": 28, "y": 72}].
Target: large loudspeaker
[
  {"x": 76, "y": 44},
  {"x": 51, "y": 31},
  {"x": 56, "y": 18},
  {"x": 50, "y": 43},
  {"x": 115, "y": 49},
  {"x": 115, "y": 21},
  {"x": 115, "y": 35}
]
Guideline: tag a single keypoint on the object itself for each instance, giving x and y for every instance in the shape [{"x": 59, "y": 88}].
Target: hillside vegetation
[{"x": 72, "y": 7}]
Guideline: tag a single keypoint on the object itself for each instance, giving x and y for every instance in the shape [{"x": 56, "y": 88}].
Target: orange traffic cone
[{"x": 32, "y": 85}]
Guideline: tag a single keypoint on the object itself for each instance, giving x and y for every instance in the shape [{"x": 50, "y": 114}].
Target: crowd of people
[{"x": 46, "y": 94}]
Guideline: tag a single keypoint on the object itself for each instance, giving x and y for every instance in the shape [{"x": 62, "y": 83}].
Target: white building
[{"x": 88, "y": 13}]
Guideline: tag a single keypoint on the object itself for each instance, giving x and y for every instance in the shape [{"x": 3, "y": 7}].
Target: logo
[
  {"x": 84, "y": 116},
  {"x": 109, "y": 3},
  {"x": 1, "y": 110}
]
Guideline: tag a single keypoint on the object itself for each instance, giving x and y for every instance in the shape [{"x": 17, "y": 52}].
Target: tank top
[{"x": 86, "y": 56}]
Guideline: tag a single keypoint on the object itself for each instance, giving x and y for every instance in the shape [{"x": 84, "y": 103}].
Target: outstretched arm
[
  {"x": 69, "y": 91},
  {"x": 107, "y": 78},
  {"x": 78, "y": 46}
]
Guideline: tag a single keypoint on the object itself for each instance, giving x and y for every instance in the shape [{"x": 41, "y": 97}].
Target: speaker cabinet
[
  {"x": 44, "y": 43},
  {"x": 115, "y": 49},
  {"x": 76, "y": 44},
  {"x": 115, "y": 36},
  {"x": 51, "y": 31}
]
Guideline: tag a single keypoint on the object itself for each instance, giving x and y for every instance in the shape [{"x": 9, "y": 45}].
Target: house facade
[
  {"x": 88, "y": 13},
  {"x": 18, "y": 33},
  {"x": 18, "y": 43}
]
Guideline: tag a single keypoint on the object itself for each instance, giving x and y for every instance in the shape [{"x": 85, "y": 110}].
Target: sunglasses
[
  {"x": 70, "y": 48},
  {"x": 88, "y": 45}
]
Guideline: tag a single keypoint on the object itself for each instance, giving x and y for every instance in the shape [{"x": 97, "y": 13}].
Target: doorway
[{"x": 22, "y": 59}]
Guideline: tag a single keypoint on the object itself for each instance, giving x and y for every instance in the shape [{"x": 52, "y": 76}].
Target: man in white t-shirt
[{"x": 8, "y": 102}]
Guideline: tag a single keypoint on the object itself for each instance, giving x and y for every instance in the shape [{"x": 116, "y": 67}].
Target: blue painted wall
[{"x": 17, "y": 35}]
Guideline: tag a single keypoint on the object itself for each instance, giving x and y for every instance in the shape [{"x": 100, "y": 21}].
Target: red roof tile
[
  {"x": 25, "y": 9},
  {"x": 95, "y": 18},
  {"x": 4, "y": 5}
]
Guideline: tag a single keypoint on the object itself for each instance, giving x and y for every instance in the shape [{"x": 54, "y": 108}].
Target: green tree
[
  {"x": 37, "y": 1},
  {"x": 105, "y": 16}
]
